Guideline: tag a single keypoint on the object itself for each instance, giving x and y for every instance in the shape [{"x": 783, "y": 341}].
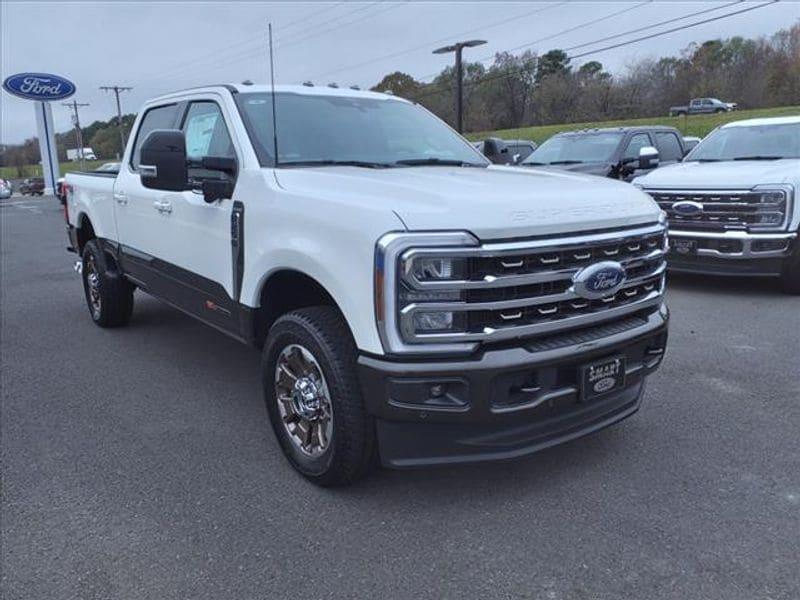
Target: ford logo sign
[
  {"x": 686, "y": 208},
  {"x": 39, "y": 86},
  {"x": 599, "y": 280}
]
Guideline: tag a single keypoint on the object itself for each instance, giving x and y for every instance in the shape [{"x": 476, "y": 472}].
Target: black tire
[
  {"x": 790, "y": 278},
  {"x": 112, "y": 303},
  {"x": 350, "y": 452},
  {"x": 720, "y": 110}
]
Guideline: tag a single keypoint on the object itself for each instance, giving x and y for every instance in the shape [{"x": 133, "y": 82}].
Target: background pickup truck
[
  {"x": 732, "y": 204},
  {"x": 702, "y": 106},
  {"x": 413, "y": 304},
  {"x": 615, "y": 152}
]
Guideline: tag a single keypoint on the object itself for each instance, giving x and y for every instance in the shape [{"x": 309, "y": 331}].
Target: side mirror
[
  {"x": 162, "y": 162},
  {"x": 496, "y": 151},
  {"x": 648, "y": 158}
]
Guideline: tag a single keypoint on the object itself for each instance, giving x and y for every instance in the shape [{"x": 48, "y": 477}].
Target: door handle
[
  {"x": 163, "y": 207},
  {"x": 121, "y": 198}
]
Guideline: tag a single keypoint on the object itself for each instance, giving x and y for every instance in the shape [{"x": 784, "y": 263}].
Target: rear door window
[{"x": 668, "y": 146}]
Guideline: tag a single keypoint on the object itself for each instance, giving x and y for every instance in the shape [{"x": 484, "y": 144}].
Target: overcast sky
[{"x": 157, "y": 47}]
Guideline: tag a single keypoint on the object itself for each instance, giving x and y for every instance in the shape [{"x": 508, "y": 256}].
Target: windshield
[
  {"x": 314, "y": 129},
  {"x": 590, "y": 147},
  {"x": 757, "y": 142}
]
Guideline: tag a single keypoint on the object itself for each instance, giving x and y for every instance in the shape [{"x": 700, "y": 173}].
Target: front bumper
[
  {"x": 508, "y": 402},
  {"x": 731, "y": 252}
]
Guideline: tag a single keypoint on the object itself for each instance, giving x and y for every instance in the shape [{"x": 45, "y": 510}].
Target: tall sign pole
[
  {"x": 47, "y": 145},
  {"x": 43, "y": 88}
]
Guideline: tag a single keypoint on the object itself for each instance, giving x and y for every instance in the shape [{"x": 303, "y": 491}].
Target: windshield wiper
[
  {"x": 335, "y": 163},
  {"x": 440, "y": 162},
  {"x": 702, "y": 160},
  {"x": 566, "y": 162},
  {"x": 758, "y": 157},
  {"x": 533, "y": 162}
]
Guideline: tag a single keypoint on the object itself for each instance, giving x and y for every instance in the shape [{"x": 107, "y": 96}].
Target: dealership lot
[{"x": 139, "y": 463}]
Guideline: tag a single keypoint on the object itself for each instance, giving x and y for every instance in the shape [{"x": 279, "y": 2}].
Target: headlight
[
  {"x": 414, "y": 278},
  {"x": 773, "y": 205},
  {"x": 428, "y": 268}
]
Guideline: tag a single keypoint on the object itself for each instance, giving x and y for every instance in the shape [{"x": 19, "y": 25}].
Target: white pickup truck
[
  {"x": 732, "y": 203},
  {"x": 414, "y": 304}
]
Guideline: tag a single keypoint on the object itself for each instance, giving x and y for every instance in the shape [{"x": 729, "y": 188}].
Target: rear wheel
[
  {"x": 313, "y": 397},
  {"x": 109, "y": 295}
]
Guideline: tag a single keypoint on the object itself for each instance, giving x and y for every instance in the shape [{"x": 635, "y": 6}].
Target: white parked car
[
  {"x": 412, "y": 302},
  {"x": 5, "y": 189},
  {"x": 732, "y": 203}
]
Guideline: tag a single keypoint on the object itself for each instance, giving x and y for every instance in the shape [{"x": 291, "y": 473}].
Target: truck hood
[
  {"x": 493, "y": 203},
  {"x": 722, "y": 175},
  {"x": 588, "y": 168}
]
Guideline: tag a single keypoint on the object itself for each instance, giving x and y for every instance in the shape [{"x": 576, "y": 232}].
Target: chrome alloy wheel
[
  {"x": 93, "y": 287},
  {"x": 304, "y": 401}
]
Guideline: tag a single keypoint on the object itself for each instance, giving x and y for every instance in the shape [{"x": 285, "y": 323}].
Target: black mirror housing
[
  {"x": 216, "y": 189},
  {"x": 162, "y": 163},
  {"x": 220, "y": 163},
  {"x": 496, "y": 150}
]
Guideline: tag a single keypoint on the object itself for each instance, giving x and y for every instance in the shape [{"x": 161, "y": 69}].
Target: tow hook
[{"x": 78, "y": 266}]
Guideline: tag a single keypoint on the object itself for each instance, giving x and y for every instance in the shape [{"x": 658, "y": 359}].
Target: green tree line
[
  {"x": 100, "y": 136},
  {"x": 521, "y": 90}
]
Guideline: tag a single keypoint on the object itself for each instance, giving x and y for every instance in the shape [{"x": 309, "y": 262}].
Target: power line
[
  {"x": 440, "y": 40},
  {"x": 645, "y": 28},
  {"x": 360, "y": 8},
  {"x": 305, "y": 19},
  {"x": 242, "y": 45},
  {"x": 117, "y": 89},
  {"x": 248, "y": 53},
  {"x": 560, "y": 33},
  {"x": 381, "y": 10},
  {"x": 486, "y": 79}
]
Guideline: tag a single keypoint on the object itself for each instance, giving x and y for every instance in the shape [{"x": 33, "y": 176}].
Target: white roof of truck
[
  {"x": 307, "y": 90},
  {"x": 764, "y": 121}
]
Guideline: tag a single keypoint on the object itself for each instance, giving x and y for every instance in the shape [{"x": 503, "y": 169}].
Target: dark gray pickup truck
[{"x": 702, "y": 106}]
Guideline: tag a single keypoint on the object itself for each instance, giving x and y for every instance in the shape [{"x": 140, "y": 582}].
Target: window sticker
[{"x": 199, "y": 131}]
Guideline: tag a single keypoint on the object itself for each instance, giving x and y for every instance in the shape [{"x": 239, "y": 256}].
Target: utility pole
[
  {"x": 117, "y": 89},
  {"x": 457, "y": 48},
  {"x": 74, "y": 105}
]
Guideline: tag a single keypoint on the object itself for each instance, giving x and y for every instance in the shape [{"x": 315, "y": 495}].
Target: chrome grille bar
[
  {"x": 525, "y": 288},
  {"x": 726, "y": 210}
]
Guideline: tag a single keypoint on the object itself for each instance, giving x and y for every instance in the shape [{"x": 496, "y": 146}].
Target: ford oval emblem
[
  {"x": 39, "y": 86},
  {"x": 598, "y": 280},
  {"x": 687, "y": 208}
]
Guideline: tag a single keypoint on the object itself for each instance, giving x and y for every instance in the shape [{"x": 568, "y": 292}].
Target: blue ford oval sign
[
  {"x": 687, "y": 208},
  {"x": 599, "y": 280},
  {"x": 39, "y": 86}
]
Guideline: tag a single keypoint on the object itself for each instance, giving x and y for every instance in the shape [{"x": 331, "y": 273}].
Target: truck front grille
[
  {"x": 721, "y": 211},
  {"x": 524, "y": 289}
]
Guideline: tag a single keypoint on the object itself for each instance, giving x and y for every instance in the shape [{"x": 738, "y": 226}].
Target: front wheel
[
  {"x": 790, "y": 276},
  {"x": 313, "y": 397},
  {"x": 109, "y": 295}
]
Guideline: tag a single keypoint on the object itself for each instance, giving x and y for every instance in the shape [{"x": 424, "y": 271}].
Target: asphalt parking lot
[{"x": 138, "y": 463}]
